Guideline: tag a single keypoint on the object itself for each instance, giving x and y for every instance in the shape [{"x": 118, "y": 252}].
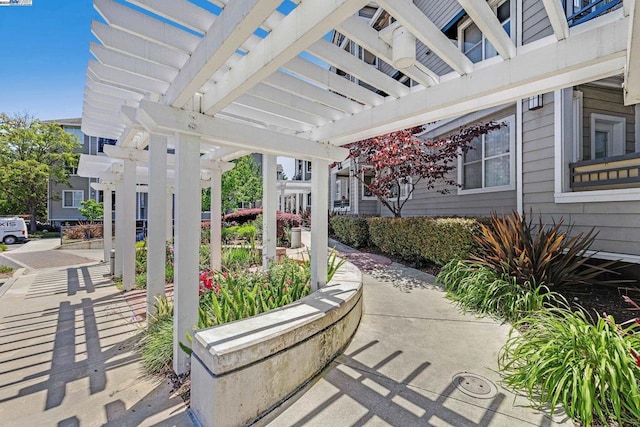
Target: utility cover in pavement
[{"x": 474, "y": 385}]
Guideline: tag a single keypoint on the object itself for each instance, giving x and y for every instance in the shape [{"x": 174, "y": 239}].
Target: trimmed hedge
[
  {"x": 436, "y": 240},
  {"x": 350, "y": 229}
]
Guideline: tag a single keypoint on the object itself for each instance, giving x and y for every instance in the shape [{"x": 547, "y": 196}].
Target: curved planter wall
[{"x": 241, "y": 370}]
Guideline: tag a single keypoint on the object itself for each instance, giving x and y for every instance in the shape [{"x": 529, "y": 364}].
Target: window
[
  {"x": 490, "y": 164},
  {"x": 404, "y": 190},
  {"x": 474, "y": 44},
  {"x": 309, "y": 167},
  {"x": 607, "y": 136},
  {"x": 72, "y": 198},
  {"x": 367, "y": 179}
]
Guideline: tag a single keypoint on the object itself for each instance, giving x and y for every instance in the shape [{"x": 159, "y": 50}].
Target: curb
[{"x": 9, "y": 283}]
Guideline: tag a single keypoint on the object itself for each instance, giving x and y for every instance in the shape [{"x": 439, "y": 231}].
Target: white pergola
[{"x": 220, "y": 82}]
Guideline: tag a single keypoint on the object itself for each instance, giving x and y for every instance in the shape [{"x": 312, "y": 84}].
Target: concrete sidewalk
[
  {"x": 68, "y": 357},
  {"x": 414, "y": 361}
]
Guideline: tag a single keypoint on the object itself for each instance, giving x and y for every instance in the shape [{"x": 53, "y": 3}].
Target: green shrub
[
  {"x": 5, "y": 269},
  {"x": 236, "y": 259},
  {"x": 351, "y": 230},
  {"x": 156, "y": 346},
  {"x": 420, "y": 239},
  {"x": 543, "y": 254},
  {"x": 3, "y": 247},
  {"x": 479, "y": 289},
  {"x": 141, "y": 281},
  {"x": 563, "y": 357}
]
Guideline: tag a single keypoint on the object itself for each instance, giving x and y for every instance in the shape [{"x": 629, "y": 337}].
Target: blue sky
[{"x": 45, "y": 48}]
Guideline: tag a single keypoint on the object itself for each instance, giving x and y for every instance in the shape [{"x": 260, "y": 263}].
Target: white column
[
  {"x": 320, "y": 229},
  {"x": 304, "y": 201},
  {"x": 157, "y": 220},
  {"x": 269, "y": 207},
  {"x": 129, "y": 225},
  {"x": 119, "y": 228},
  {"x": 107, "y": 226},
  {"x": 187, "y": 242},
  {"x": 216, "y": 219},
  {"x": 296, "y": 203}
]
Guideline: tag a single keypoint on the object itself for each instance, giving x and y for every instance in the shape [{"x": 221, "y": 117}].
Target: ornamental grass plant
[{"x": 591, "y": 368}]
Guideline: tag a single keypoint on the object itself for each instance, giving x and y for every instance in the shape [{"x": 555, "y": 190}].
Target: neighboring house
[
  {"x": 64, "y": 199},
  {"x": 572, "y": 154},
  {"x": 295, "y": 194}
]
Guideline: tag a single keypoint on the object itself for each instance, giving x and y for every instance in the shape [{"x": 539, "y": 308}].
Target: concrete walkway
[
  {"x": 67, "y": 352},
  {"x": 414, "y": 361}
]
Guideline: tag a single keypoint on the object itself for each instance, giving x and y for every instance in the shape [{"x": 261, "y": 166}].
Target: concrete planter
[{"x": 242, "y": 370}]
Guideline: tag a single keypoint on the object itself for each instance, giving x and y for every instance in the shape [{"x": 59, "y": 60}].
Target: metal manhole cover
[{"x": 474, "y": 385}]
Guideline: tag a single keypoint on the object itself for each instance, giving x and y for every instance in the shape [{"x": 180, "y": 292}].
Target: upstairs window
[
  {"x": 473, "y": 42},
  {"x": 608, "y": 135},
  {"x": 490, "y": 164},
  {"x": 72, "y": 198}
]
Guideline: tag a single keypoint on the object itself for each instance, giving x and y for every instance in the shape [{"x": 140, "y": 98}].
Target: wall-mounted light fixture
[{"x": 535, "y": 102}]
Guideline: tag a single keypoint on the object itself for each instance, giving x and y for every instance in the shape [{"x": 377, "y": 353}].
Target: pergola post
[
  {"x": 119, "y": 228},
  {"x": 107, "y": 217},
  {"x": 169, "y": 209},
  {"x": 187, "y": 242},
  {"x": 216, "y": 219},
  {"x": 129, "y": 225},
  {"x": 296, "y": 208},
  {"x": 320, "y": 229},
  {"x": 269, "y": 207},
  {"x": 157, "y": 219}
]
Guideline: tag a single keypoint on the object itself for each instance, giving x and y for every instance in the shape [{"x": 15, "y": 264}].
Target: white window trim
[
  {"x": 619, "y": 132},
  {"x": 511, "y": 120},
  {"x": 494, "y": 6},
  {"x": 72, "y": 198},
  {"x": 562, "y": 193}
]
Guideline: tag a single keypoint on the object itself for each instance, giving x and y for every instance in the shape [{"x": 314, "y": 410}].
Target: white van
[{"x": 13, "y": 230}]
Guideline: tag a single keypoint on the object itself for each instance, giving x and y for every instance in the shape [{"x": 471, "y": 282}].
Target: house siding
[
  {"x": 535, "y": 22},
  {"x": 617, "y": 223},
  {"x": 56, "y": 210}
]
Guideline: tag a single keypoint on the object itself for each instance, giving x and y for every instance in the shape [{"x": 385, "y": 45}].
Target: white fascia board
[
  {"x": 93, "y": 130},
  {"x": 360, "y": 32},
  {"x": 269, "y": 106},
  {"x": 138, "y": 47},
  {"x": 332, "y": 81},
  {"x": 557, "y": 17},
  {"x": 298, "y": 87},
  {"x": 126, "y": 79},
  {"x": 414, "y": 20},
  {"x": 126, "y": 19},
  {"x": 289, "y": 99},
  {"x": 632, "y": 70},
  {"x": 304, "y": 25},
  {"x": 345, "y": 61},
  {"x": 132, "y": 64},
  {"x": 182, "y": 12},
  {"x": 237, "y": 22},
  {"x": 116, "y": 152},
  {"x": 482, "y": 15},
  {"x": 227, "y": 133},
  {"x": 584, "y": 57}
]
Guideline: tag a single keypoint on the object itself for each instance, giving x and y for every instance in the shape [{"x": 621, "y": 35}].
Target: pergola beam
[
  {"x": 132, "y": 64},
  {"x": 632, "y": 69},
  {"x": 412, "y": 18},
  {"x": 483, "y": 16},
  {"x": 181, "y": 12},
  {"x": 361, "y": 33},
  {"x": 127, "y": 79},
  {"x": 155, "y": 116},
  {"x": 557, "y": 17},
  {"x": 304, "y": 25},
  {"x": 590, "y": 55},
  {"x": 237, "y": 22}
]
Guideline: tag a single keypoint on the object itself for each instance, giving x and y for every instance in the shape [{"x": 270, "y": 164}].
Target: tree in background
[
  {"x": 91, "y": 209},
  {"x": 31, "y": 153},
  {"x": 242, "y": 184},
  {"x": 388, "y": 163}
]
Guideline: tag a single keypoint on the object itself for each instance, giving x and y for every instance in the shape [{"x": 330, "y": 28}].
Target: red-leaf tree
[{"x": 401, "y": 159}]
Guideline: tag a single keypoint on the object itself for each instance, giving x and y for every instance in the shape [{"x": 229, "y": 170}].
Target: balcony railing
[
  {"x": 588, "y": 10},
  {"x": 341, "y": 204},
  {"x": 612, "y": 172}
]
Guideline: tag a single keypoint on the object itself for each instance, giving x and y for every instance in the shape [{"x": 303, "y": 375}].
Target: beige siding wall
[
  {"x": 618, "y": 223},
  {"x": 535, "y": 22}
]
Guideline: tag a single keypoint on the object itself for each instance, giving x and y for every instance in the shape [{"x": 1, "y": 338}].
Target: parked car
[{"x": 13, "y": 230}]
